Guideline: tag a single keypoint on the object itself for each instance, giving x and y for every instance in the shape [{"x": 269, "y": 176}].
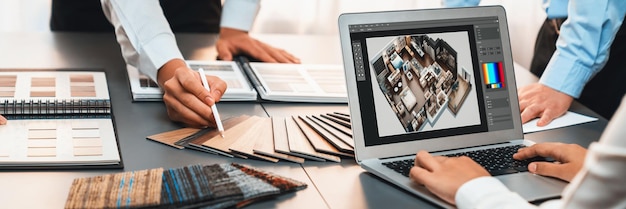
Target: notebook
[
  {"x": 316, "y": 83},
  {"x": 56, "y": 118},
  {"x": 440, "y": 80}
]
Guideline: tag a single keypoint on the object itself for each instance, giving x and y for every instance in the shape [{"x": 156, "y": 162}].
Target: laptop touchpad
[{"x": 533, "y": 187}]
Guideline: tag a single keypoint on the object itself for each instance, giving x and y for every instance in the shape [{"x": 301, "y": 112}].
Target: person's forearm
[
  {"x": 583, "y": 45},
  {"x": 143, "y": 33}
]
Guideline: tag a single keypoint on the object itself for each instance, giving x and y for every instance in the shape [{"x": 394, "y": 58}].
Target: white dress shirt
[
  {"x": 601, "y": 182},
  {"x": 145, "y": 37}
]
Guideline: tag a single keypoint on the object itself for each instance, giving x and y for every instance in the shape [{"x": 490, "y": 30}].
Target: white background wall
[{"x": 309, "y": 17}]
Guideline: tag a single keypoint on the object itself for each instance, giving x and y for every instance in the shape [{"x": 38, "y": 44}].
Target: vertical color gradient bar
[{"x": 493, "y": 75}]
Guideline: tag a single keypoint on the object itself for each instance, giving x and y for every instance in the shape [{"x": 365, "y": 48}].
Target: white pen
[{"x": 218, "y": 121}]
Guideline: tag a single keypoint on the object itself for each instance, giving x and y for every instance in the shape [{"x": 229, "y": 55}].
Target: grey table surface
[
  {"x": 134, "y": 120},
  {"x": 331, "y": 185}
]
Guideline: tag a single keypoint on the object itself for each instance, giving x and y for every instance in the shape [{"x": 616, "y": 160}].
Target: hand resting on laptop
[{"x": 443, "y": 176}]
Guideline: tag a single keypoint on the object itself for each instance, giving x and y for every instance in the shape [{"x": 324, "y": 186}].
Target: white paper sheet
[{"x": 569, "y": 119}]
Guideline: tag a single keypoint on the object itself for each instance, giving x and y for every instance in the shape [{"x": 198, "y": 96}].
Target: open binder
[
  {"x": 314, "y": 83},
  {"x": 57, "y": 118}
]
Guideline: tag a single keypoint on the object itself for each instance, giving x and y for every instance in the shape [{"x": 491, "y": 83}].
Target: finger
[
  {"x": 522, "y": 105},
  {"x": 543, "y": 149},
  {"x": 223, "y": 52},
  {"x": 292, "y": 58},
  {"x": 280, "y": 55},
  {"x": 547, "y": 117},
  {"x": 3, "y": 121},
  {"x": 275, "y": 53},
  {"x": 425, "y": 160},
  {"x": 548, "y": 169},
  {"x": 421, "y": 175},
  {"x": 218, "y": 87},
  {"x": 179, "y": 112},
  {"x": 190, "y": 81},
  {"x": 529, "y": 113},
  {"x": 257, "y": 51},
  {"x": 185, "y": 97}
]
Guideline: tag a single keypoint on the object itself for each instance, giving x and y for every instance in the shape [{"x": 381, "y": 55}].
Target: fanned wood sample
[
  {"x": 196, "y": 143},
  {"x": 318, "y": 142},
  {"x": 265, "y": 143},
  {"x": 279, "y": 129},
  {"x": 335, "y": 132},
  {"x": 339, "y": 116},
  {"x": 171, "y": 137},
  {"x": 337, "y": 120},
  {"x": 221, "y": 145},
  {"x": 342, "y": 113},
  {"x": 335, "y": 125},
  {"x": 299, "y": 144},
  {"x": 245, "y": 143},
  {"x": 332, "y": 139}
]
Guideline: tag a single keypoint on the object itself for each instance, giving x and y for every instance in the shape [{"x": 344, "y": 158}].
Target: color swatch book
[
  {"x": 314, "y": 83},
  {"x": 324, "y": 137},
  {"x": 56, "y": 118}
]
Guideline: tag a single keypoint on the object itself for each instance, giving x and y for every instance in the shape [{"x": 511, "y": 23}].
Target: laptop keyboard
[{"x": 497, "y": 161}]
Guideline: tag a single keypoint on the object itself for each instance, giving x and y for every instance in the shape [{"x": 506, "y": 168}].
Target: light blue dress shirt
[{"x": 583, "y": 46}]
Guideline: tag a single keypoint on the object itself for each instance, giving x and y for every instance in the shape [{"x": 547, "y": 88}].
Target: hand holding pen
[{"x": 185, "y": 97}]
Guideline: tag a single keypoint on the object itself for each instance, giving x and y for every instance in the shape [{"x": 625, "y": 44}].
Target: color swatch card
[
  {"x": 56, "y": 118},
  {"x": 58, "y": 142},
  {"x": 52, "y": 85}
]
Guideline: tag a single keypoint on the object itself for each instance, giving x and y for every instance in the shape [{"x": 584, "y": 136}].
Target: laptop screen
[{"x": 428, "y": 79}]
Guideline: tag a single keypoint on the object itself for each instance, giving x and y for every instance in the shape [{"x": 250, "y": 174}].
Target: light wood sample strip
[
  {"x": 233, "y": 134},
  {"x": 245, "y": 143},
  {"x": 298, "y": 143},
  {"x": 317, "y": 141},
  {"x": 265, "y": 143}
]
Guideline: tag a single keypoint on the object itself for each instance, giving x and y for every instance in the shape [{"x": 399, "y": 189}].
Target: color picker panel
[
  {"x": 493, "y": 75},
  {"x": 7, "y": 85}
]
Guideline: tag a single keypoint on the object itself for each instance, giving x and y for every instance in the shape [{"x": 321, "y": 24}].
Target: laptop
[{"x": 440, "y": 80}]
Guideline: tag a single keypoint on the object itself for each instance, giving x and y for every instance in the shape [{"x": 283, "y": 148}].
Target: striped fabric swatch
[{"x": 209, "y": 186}]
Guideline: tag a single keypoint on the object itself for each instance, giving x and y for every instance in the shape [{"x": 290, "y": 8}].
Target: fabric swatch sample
[{"x": 210, "y": 186}]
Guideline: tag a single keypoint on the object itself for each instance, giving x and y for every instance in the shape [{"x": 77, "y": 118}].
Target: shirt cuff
[
  {"x": 471, "y": 194},
  {"x": 239, "y": 14},
  {"x": 158, "y": 51},
  {"x": 566, "y": 75}
]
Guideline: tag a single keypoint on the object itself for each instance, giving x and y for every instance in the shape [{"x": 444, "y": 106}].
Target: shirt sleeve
[
  {"x": 239, "y": 14},
  {"x": 488, "y": 192},
  {"x": 144, "y": 35},
  {"x": 583, "y": 46},
  {"x": 600, "y": 183},
  {"x": 460, "y": 3}
]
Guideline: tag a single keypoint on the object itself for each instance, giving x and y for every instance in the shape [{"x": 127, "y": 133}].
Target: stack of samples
[{"x": 324, "y": 137}]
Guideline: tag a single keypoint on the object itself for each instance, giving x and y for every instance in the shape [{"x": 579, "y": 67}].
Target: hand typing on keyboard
[
  {"x": 443, "y": 176},
  {"x": 570, "y": 158}
]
